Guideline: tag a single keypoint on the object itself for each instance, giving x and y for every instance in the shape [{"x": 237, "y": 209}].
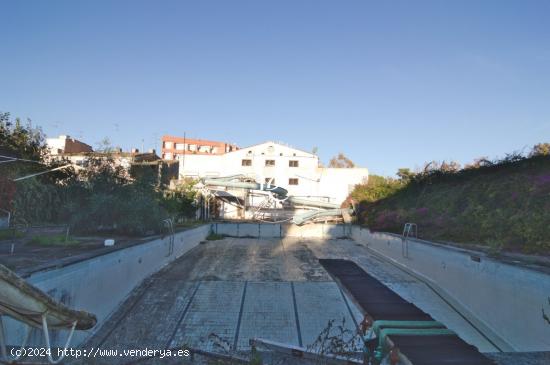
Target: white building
[
  {"x": 66, "y": 144},
  {"x": 295, "y": 170}
]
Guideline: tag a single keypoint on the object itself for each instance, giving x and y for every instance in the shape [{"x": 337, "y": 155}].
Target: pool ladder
[
  {"x": 168, "y": 223},
  {"x": 410, "y": 230}
]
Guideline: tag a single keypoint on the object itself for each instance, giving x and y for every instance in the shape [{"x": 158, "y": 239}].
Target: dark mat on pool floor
[
  {"x": 381, "y": 303},
  {"x": 376, "y": 299}
]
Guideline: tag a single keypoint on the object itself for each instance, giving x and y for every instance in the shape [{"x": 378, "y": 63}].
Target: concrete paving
[
  {"x": 239, "y": 288},
  {"x": 214, "y": 310},
  {"x": 268, "y": 311},
  {"x": 319, "y": 303}
]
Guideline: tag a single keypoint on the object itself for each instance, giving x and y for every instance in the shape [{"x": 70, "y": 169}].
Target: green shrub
[
  {"x": 377, "y": 187},
  {"x": 55, "y": 240},
  {"x": 8, "y": 234}
]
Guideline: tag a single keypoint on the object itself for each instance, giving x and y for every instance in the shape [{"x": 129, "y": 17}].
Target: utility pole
[{"x": 183, "y": 157}]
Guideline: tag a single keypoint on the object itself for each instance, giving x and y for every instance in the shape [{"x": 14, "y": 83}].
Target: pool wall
[
  {"x": 100, "y": 284},
  {"x": 503, "y": 300},
  {"x": 266, "y": 230}
]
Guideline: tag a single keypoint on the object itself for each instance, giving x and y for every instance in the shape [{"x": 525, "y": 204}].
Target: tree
[
  {"x": 451, "y": 166},
  {"x": 405, "y": 174},
  {"x": 105, "y": 198},
  {"x": 479, "y": 162},
  {"x": 540, "y": 149},
  {"x": 7, "y": 193},
  {"x": 24, "y": 142},
  {"x": 377, "y": 187},
  {"x": 19, "y": 140},
  {"x": 181, "y": 202},
  {"x": 105, "y": 146},
  {"x": 341, "y": 161}
]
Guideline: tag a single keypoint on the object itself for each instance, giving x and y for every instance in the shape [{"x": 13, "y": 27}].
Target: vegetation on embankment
[{"x": 503, "y": 204}]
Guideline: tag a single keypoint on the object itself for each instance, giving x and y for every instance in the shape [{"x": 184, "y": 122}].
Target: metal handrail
[
  {"x": 170, "y": 225},
  {"x": 407, "y": 230}
]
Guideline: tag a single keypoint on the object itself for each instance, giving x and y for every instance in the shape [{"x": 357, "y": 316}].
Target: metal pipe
[{"x": 281, "y": 192}]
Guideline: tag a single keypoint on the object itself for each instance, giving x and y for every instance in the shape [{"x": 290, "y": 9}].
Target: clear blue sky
[{"x": 389, "y": 83}]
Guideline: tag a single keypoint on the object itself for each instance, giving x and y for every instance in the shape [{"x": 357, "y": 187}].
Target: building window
[
  {"x": 270, "y": 180},
  {"x": 270, "y": 162},
  {"x": 168, "y": 144},
  {"x": 293, "y": 181},
  {"x": 246, "y": 163},
  {"x": 179, "y": 146},
  {"x": 293, "y": 163}
]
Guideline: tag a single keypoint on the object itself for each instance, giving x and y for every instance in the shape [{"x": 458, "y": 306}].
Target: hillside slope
[{"x": 505, "y": 206}]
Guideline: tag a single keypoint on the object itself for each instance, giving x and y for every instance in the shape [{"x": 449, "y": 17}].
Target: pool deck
[{"x": 222, "y": 293}]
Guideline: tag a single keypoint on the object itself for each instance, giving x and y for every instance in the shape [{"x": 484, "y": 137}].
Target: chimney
[
  {"x": 135, "y": 150},
  {"x": 152, "y": 150}
]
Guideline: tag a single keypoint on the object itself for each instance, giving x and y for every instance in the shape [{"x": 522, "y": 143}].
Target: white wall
[
  {"x": 198, "y": 166},
  {"x": 339, "y": 183},
  {"x": 56, "y": 145},
  {"x": 324, "y": 183}
]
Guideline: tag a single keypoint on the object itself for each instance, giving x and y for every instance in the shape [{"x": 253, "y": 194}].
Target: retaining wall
[
  {"x": 100, "y": 284},
  {"x": 265, "y": 230},
  {"x": 505, "y": 300}
]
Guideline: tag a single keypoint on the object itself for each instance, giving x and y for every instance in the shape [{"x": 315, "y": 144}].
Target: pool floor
[{"x": 223, "y": 293}]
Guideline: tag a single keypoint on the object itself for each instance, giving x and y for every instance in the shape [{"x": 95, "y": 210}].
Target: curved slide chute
[
  {"x": 34, "y": 308},
  {"x": 324, "y": 209}
]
